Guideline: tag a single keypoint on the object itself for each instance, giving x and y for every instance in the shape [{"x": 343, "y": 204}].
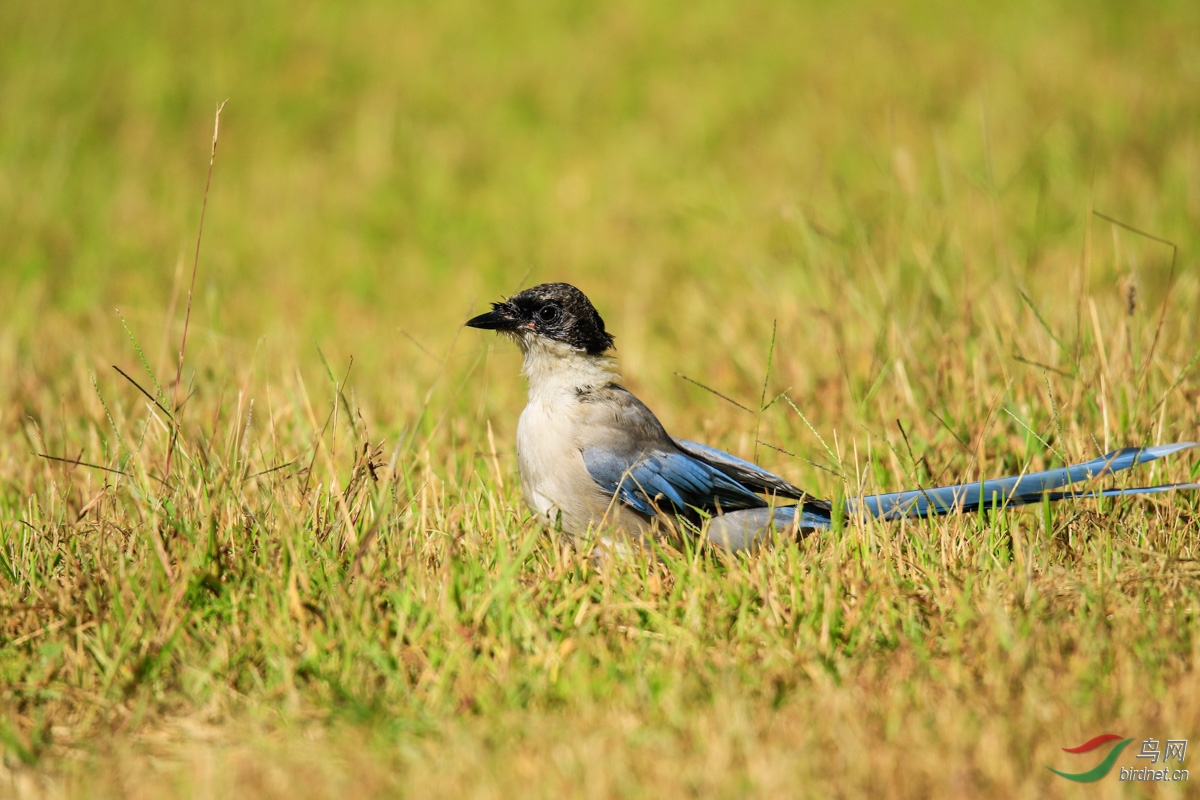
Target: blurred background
[{"x": 905, "y": 190}]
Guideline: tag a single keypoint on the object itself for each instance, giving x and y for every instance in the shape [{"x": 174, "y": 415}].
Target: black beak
[{"x": 500, "y": 318}]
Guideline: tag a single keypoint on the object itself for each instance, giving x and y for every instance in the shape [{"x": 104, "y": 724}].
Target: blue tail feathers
[
  {"x": 1018, "y": 490},
  {"x": 747, "y": 529}
]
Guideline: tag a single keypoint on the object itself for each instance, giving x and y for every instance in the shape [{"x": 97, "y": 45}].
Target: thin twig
[
  {"x": 712, "y": 391},
  {"x": 1021, "y": 359},
  {"x": 808, "y": 461},
  {"x": 75, "y": 462},
  {"x": 268, "y": 471},
  {"x": 149, "y": 396},
  {"x": 187, "y": 318}
]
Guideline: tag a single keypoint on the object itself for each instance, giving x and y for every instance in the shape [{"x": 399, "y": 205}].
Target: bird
[{"x": 596, "y": 463}]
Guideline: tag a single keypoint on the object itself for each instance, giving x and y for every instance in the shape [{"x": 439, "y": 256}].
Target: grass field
[{"x": 330, "y": 586}]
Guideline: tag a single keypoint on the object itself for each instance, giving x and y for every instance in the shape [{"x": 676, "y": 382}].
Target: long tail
[
  {"x": 747, "y": 529},
  {"x": 1018, "y": 490}
]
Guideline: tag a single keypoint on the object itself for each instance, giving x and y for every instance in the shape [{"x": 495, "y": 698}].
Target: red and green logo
[{"x": 1104, "y": 767}]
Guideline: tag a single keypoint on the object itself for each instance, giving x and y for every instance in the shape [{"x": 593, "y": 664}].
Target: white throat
[{"x": 553, "y": 368}]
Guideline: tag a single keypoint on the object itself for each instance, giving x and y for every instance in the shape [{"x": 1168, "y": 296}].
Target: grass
[{"x": 905, "y": 210}]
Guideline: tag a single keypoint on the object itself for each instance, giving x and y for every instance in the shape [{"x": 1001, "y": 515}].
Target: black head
[{"x": 556, "y": 311}]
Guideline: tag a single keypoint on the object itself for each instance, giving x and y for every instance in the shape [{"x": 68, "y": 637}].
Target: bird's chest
[{"x": 553, "y": 474}]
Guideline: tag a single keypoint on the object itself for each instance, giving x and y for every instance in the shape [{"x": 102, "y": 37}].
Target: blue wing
[
  {"x": 672, "y": 482},
  {"x": 749, "y": 475},
  {"x": 1018, "y": 490}
]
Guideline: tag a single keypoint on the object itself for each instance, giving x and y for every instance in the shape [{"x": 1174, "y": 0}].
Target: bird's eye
[{"x": 548, "y": 313}]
